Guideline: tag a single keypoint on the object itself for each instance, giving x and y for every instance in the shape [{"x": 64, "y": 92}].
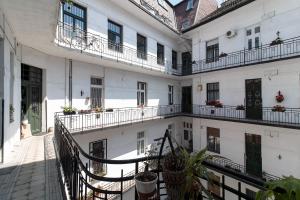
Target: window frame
[
  {"x": 142, "y": 54},
  {"x": 73, "y": 16},
  {"x": 212, "y": 89},
  {"x": 213, "y": 49},
  {"x": 160, "y": 52},
  {"x": 139, "y": 141},
  {"x": 190, "y": 5},
  {"x": 174, "y": 59},
  {"x": 112, "y": 45},
  {"x": 91, "y": 152},
  {"x": 96, "y": 86},
  {"x": 170, "y": 94},
  {"x": 215, "y": 145},
  {"x": 139, "y": 94}
]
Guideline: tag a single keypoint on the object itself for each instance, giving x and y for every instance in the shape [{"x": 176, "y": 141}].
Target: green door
[
  {"x": 253, "y": 155},
  {"x": 32, "y": 97},
  {"x": 253, "y": 99}
]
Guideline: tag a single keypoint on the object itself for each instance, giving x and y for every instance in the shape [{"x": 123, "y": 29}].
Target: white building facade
[{"x": 227, "y": 80}]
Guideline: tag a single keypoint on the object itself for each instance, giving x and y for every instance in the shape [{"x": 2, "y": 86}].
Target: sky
[{"x": 177, "y": 1}]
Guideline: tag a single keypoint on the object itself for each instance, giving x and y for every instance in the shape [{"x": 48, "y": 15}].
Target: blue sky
[{"x": 176, "y": 1}]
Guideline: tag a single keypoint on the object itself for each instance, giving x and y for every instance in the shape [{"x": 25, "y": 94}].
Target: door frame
[
  {"x": 187, "y": 109},
  {"x": 259, "y": 115},
  {"x": 251, "y": 171}
]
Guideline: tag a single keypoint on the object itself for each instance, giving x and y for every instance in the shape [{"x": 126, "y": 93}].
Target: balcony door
[
  {"x": 31, "y": 95},
  {"x": 253, "y": 99},
  {"x": 98, "y": 149},
  {"x": 186, "y": 63},
  {"x": 253, "y": 154},
  {"x": 186, "y": 100}
]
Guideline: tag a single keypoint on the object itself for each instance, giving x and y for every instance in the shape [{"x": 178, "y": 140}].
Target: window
[
  {"x": 160, "y": 54},
  {"x": 213, "y": 185},
  {"x": 141, "y": 94},
  {"x": 98, "y": 150},
  {"x": 96, "y": 92},
  {"x": 174, "y": 59},
  {"x": 213, "y": 140},
  {"x": 185, "y": 24},
  {"x": 212, "y": 92},
  {"x": 141, "y": 47},
  {"x": 140, "y": 143},
  {"x": 115, "y": 36},
  {"x": 212, "y": 51},
  {"x": 252, "y": 37},
  {"x": 162, "y": 3},
  {"x": 171, "y": 94},
  {"x": 74, "y": 19},
  {"x": 190, "y": 5}
]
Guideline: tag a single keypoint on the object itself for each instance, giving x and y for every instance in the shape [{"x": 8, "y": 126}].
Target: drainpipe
[{"x": 70, "y": 81}]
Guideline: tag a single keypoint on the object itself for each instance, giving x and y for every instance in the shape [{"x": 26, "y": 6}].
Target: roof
[{"x": 225, "y": 8}]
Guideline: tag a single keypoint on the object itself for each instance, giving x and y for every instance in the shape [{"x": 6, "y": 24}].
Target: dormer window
[
  {"x": 190, "y": 5},
  {"x": 185, "y": 24},
  {"x": 162, "y": 3}
]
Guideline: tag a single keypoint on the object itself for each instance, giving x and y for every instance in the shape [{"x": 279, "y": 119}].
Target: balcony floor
[{"x": 32, "y": 172}]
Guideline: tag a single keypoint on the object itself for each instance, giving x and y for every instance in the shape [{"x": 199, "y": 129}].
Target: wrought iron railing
[
  {"x": 237, "y": 168},
  {"x": 74, "y": 162},
  {"x": 288, "y": 48},
  {"x": 289, "y": 117},
  {"x": 84, "y": 41}
]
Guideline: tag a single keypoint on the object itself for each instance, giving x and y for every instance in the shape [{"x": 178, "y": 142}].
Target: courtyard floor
[{"x": 32, "y": 172}]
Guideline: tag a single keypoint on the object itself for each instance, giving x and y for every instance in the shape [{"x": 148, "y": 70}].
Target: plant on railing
[
  {"x": 11, "y": 113},
  {"x": 279, "y": 97},
  {"x": 240, "y": 107},
  {"x": 84, "y": 111},
  {"x": 278, "y": 108},
  {"x": 68, "y": 110},
  {"x": 223, "y": 55},
  {"x": 287, "y": 188},
  {"x": 91, "y": 196},
  {"x": 182, "y": 172},
  {"x": 277, "y": 41},
  {"x": 215, "y": 103}
]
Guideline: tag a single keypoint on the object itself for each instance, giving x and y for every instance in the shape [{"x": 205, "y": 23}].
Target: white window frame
[
  {"x": 97, "y": 87},
  {"x": 141, "y": 91},
  {"x": 170, "y": 94},
  {"x": 141, "y": 140}
]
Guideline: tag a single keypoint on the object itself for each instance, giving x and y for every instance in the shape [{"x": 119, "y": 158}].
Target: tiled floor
[{"x": 33, "y": 174}]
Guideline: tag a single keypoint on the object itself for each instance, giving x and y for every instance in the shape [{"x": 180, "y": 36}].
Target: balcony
[
  {"x": 288, "y": 49},
  {"x": 289, "y": 118},
  {"x": 86, "y": 42},
  {"x": 77, "y": 172}
]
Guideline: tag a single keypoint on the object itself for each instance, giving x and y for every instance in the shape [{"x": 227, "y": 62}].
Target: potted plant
[
  {"x": 109, "y": 110},
  {"x": 11, "y": 113},
  {"x": 277, "y": 41},
  {"x": 97, "y": 111},
  {"x": 223, "y": 55},
  {"x": 215, "y": 103},
  {"x": 240, "y": 107},
  {"x": 174, "y": 174},
  {"x": 145, "y": 182},
  {"x": 278, "y": 108},
  {"x": 68, "y": 110},
  {"x": 279, "y": 97},
  {"x": 287, "y": 188}
]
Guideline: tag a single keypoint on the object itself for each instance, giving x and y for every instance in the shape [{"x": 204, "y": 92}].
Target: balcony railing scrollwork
[
  {"x": 288, "y": 48},
  {"x": 289, "y": 118}
]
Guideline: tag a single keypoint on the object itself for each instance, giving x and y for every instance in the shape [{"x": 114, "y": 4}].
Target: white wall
[
  {"x": 283, "y": 76},
  {"x": 271, "y": 16},
  {"x": 275, "y": 142}
]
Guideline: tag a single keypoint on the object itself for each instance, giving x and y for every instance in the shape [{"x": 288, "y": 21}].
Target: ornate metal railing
[
  {"x": 288, "y": 48},
  {"x": 77, "y": 174},
  {"x": 237, "y": 168},
  {"x": 290, "y": 117},
  {"x": 84, "y": 41}
]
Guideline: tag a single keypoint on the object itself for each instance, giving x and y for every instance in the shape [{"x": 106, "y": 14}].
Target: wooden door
[
  {"x": 253, "y": 154},
  {"x": 186, "y": 63},
  {"x": 186, "y": 99}
]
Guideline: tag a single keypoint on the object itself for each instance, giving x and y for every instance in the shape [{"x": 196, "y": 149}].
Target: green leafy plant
[
  {"x": 194, "y": 171},
  {"x": 287, "y": 188},
  {"x": 68, "y": 110}
]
